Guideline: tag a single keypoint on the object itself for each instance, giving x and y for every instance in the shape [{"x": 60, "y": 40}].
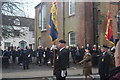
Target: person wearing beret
[
  {"x": 61, "y": 61},
  {"x": 87, "y": 65},
  {"x": 104, "y": 62}
]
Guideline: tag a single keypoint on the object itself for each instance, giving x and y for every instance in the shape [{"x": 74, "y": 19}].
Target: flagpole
[
  {"x": 109, "y": 33},
  {"x": 54, "y": 48},
  {"x": 53, "y": 31},
  {"x": 54, "y": 58}
]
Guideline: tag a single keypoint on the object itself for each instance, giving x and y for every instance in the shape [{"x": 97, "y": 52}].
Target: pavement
[{"x": 43, "y": 72}]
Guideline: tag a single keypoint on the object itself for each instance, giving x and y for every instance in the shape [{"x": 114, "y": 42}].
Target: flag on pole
[
  {"x": 109, "y": 33},
  {"x": 53, "y": 23}
]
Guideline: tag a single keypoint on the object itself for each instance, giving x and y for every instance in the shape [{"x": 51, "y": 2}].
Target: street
[
  {"x": 53, "y": 78},
  {"x": 43, "y": 72}
]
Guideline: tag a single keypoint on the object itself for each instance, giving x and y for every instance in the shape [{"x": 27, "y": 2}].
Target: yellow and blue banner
[
  {"x": 53, "y": 23},
  {"x": 109, "y": 32}
]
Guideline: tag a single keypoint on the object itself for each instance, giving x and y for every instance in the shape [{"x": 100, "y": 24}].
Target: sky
[
  {"x": 30, "y": 4},
  {"x": 29, "y": 7}
]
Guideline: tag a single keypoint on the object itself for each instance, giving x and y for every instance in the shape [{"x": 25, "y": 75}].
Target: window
[
  {"x": 17, "y": 22},
  {"x": 40, "y": 20},
  {"x": 71, "y": 38},
  {"x": 43, "y": 17},
  {"x": 39, "y": 41},
  {"x": 6, "y": 44},
  {"x": 71, "y": 7},
  {"x": 33, "y": 34}
]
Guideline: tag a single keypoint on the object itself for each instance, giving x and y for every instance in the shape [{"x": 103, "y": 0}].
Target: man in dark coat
[
  {"x": 61, "y": 62},
  {"x": 104, "y": 62},
  {"x": 5, "y": 58},
  {"x": 46, "y": 55},
  {"x": 25, "y": 57},
  {"x": 39, "y": 55},
  {"x": 30, "y": 51},
  {"x": 14, "y": 54},
  {"x": 115, "y": 73},
  {"x": 73, "y": 50},
  {"x": 95, "y": 56}
]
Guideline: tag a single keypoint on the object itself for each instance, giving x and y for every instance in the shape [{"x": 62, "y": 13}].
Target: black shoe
[{"x": 93, "y": 78}]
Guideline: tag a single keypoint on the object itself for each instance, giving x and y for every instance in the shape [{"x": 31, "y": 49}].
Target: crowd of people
[
  {"x": 25, "y": 56},
  {"x": 95, "y": 56},
  {"x": 45, "y": 55}
]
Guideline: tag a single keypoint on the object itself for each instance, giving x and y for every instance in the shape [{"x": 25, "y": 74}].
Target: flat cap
[{"x": 62, "y": 41}]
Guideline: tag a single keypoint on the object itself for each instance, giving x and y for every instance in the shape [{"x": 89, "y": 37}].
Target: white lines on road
[
  {"x": 73, "y": 68},
  {"x": 96, "y": 76}
]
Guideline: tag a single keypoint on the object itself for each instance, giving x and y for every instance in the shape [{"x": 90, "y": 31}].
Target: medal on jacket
[{"x": 102, "y": 59}]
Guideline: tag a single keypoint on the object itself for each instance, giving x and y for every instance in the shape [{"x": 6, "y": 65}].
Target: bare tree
[
  {"x": 12, "y": 9},
  {"x": 0, "y": 23}
]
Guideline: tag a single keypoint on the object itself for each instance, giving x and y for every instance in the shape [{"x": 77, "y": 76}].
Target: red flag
[{"x": 109, "y": 33}]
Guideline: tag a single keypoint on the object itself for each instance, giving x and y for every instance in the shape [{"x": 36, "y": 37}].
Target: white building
[{"x": 24, "y": 26}]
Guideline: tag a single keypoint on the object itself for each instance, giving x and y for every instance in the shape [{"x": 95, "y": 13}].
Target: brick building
[
  {"x": 75, "y": 23},
  {"x": 22, "y": 31},
  {"x": 113, "y": 8},
  {"x": 78, "y": 22}
]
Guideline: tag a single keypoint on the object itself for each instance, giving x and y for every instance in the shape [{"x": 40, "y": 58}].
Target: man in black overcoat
[
  {"x": 104, "y": 62},
  {"x": 25, "y": 57},
  {"x": 5, "y": 58},
  {"x": 61, "y": 62}
]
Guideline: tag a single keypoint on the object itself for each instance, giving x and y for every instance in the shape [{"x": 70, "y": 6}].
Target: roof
[
  {"x": 24, "y": 22},
  {"x": 39, "y": 4}
]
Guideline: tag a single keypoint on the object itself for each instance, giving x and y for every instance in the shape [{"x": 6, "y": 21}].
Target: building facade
[
  {"x": 79, "y": 23},
  {"x": 24, "y": 35},
  {"x": 114, "y": 9},
  {"x": 75, "y": 22}
]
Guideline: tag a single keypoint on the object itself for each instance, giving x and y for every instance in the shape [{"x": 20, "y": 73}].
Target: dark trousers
[
  {"x": 102, "y": 76},
  {"x": 39, "y": 60},
  {"x": 13, "y": 59},
  {"x": 25, "y": 64},
  {"x": 62, "y": 78},
  {"x": 19, "y": 60},
  {"x": 5, "y": 62},
  {"x": 45, "y": 60}
]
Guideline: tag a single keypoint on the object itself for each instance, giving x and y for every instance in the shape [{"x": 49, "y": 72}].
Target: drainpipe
[
  {"x": 63, "y": 20},
  {"x": 95, "y": 23}
]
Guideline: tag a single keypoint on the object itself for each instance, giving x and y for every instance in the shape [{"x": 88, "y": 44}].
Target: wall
[
  {"x": 15, "y": 41},
  {"x": 113, "y": 9}
]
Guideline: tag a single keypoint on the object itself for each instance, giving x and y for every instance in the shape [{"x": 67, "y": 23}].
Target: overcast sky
[{"x": 29, "y": 7}]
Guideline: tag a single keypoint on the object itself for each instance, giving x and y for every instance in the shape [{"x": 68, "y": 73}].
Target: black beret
[
  {"x": 62, "y": 41},
  {"x": 105, "y": 46}
]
